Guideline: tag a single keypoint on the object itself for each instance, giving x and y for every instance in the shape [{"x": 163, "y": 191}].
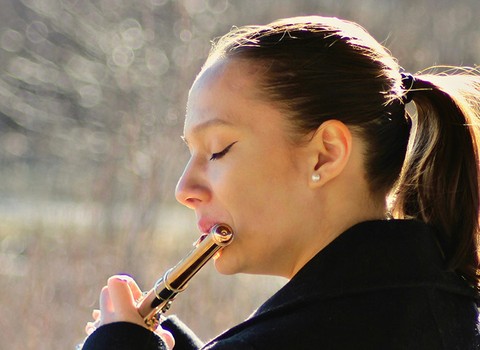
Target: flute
[{"x": 158, "y": 300}]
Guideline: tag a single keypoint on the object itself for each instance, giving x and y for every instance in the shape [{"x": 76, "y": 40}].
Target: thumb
[{"x": 166, "y": 336}]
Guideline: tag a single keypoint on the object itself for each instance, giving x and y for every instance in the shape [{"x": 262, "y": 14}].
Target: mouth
[{"x": 205, "y": 227}]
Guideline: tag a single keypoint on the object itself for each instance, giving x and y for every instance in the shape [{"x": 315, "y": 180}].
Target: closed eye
[{"x": 220, "y": 154}]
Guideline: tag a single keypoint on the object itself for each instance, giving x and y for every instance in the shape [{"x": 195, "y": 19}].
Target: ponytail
[{"x": 439, "y": 182}]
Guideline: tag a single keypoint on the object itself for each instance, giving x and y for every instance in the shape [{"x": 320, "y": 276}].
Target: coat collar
[{"x": 372, "y": 255}]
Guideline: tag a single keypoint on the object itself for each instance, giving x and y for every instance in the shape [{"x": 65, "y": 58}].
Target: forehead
[
  {"x": 234, "y": 75},
  {"x": 226, "y": 91}
]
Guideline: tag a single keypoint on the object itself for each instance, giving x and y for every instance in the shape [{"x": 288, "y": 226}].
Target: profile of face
[
  {"x": 286, "y": 194},
  {"x": 245, "y": 171}
]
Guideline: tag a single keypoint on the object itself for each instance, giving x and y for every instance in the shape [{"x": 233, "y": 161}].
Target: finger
[
  {"x": 96, "y": 314},
  {"x": 123, "y": 301},
  {"x": 166, "y": 336},
  {"x": 106, "y": 306},
  {"x": 90, "y": 328},
  {"x": 119, "y": 290},
  {"x": 136, "y": 291}
]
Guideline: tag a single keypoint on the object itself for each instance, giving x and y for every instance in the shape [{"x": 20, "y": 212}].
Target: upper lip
[{"x": 204, "y": 225}]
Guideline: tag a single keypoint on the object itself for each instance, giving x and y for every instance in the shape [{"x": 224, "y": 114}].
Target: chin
[{"x": 223, "y": 267}]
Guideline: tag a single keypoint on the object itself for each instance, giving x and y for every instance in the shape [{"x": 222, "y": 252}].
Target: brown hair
[
  {"x": 319, "y": 68},
  {"x": 439, "y": 180}
]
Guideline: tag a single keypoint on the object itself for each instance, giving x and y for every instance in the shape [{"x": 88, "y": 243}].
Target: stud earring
[{"x": 315, "y": 177}]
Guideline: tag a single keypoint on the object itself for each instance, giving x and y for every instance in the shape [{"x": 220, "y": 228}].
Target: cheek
[
  {"x": 250, "y": 183},
  {"x": 259, "y": 201},
  {"x": 257, "y": 195},
  {"x": 256, "y": 183}
]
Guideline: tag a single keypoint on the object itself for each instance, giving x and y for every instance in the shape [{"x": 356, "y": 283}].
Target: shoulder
[
  {"x": 394, "y": 319},
  {"x": 380, "y": 285}
]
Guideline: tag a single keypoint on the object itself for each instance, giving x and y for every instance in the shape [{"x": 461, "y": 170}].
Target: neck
[{"x": 335, "y": 213}]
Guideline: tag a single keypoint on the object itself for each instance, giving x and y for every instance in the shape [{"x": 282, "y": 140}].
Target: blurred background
[{"x": 92, "y": 98}]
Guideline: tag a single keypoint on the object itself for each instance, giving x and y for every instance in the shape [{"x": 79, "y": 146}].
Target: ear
[{"x": 329, "y": 149}]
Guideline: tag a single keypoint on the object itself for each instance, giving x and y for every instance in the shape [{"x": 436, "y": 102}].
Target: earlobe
[{"x": 331, "y": 147}]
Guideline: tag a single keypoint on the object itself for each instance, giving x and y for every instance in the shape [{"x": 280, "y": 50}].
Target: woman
[{"x": 299, "y": 139}]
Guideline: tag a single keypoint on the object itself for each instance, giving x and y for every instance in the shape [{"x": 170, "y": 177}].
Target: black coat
[{"x": 379, "y": 285}]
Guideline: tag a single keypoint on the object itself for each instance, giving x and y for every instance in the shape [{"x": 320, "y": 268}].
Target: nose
[{"x": 192, "y": 189}]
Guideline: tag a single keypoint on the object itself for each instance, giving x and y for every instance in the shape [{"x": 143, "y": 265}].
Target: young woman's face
[{"x": 244, "y": 171}]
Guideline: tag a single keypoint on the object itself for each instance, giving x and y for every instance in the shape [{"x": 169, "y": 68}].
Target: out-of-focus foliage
[
  {"x": 92, "y": 98},
  {"x": 92, "y": 93}
]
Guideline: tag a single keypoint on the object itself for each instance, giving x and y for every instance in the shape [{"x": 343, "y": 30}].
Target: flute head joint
[{"x": 222, "y": 234}]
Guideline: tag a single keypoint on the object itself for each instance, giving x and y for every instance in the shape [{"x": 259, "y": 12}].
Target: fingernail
[{"x": 123, "y": 278}]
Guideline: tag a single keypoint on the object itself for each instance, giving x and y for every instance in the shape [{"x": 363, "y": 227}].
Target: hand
[{"x": 118, "y": 303}]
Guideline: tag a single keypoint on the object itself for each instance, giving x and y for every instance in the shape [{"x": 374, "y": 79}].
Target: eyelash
[{"x": 220, "y": 154}]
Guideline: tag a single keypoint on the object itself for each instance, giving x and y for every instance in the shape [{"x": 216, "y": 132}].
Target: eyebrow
[{"x": 215, "y": 122}]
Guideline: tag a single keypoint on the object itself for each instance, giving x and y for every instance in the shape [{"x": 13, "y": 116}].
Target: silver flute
[{"x": 158, "y": 300}]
